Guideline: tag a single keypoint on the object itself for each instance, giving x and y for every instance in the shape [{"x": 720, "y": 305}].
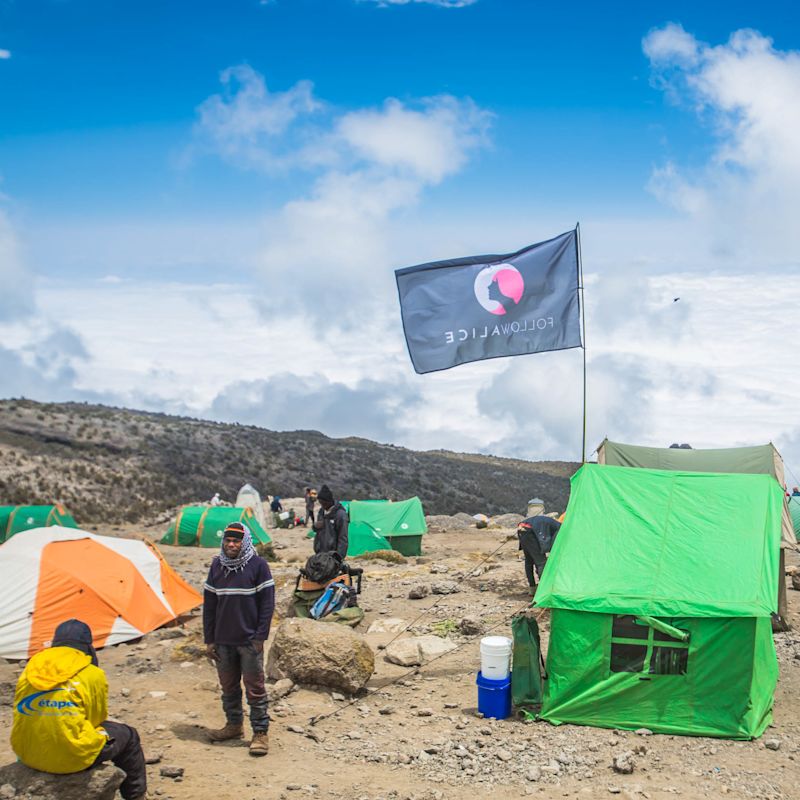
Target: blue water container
[{"x": 494, "y": 697}]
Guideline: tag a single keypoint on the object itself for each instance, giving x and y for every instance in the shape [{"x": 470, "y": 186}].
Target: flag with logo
[{"x": 469, "y": 309}]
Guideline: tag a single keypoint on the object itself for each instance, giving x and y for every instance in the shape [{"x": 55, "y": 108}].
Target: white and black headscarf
[{"x": 245, "y": 554}]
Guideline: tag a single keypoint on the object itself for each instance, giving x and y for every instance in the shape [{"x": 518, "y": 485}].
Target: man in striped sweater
[{"x": 238, "y": 603}]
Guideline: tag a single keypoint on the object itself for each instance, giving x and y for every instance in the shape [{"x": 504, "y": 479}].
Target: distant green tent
[
  {"x": 384, "y": 525},
  {"x": 661, "y": 586},
  {"x": 794, "y": 510},
  {"x": 402, "y": 523},
  {"x": 203, "y": 526},
  {"x": 14, "y": 519}
]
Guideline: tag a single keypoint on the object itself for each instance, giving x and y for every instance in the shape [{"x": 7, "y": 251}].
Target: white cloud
[
  {"x": 440, "y": 3},
  {"x": 16, "y": 279},
  {"x": 245, "y": 122},
  {"x": 747, "y": 194},
  {"x": 5, "y": 55}
]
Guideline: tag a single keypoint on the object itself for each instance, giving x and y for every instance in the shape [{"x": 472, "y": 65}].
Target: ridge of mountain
[{"x": 115, "y": 464}]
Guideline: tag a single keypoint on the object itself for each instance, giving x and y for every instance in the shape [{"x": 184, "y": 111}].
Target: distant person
[
  {"x": 60, "y": 720},
  {"x": 536, "y": 536},
  {"x": 795, "y": 491},
  {"x": 311, "y": 498},
  {"x": 215, "y": 500},
  {"x": 238, "y": 603},
  {"x": 331, "y": 525},
  {"x": 276, "y": 507}
]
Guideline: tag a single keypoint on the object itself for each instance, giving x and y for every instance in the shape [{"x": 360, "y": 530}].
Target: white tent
[{"x": 249, "y": 497}]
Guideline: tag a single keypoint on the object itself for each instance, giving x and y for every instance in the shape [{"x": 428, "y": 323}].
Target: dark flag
[{"x": 468, "y": 309}]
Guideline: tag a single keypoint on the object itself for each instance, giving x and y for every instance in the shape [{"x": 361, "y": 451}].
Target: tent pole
[{"x": 583, "y": 326}]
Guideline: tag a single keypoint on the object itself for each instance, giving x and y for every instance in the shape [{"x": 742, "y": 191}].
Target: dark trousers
[
  {"x": 237, "y": 664},
  {"x": 534, "y": 556},
  {"x": 124, "y": 750},
  {"x": 309, "y": 515}
]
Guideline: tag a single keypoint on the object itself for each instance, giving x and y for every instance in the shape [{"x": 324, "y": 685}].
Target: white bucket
[{"x": 495, "y": 657}]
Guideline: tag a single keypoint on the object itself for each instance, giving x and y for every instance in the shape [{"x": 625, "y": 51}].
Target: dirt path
[{"x": 420, "y": 738}]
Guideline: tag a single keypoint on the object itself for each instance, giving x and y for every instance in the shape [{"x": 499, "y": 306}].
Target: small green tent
[
  {"x": 794, "y": 510},
  {"x": 402, "y": 523},
  {"x": 14, "y": 519},
  {"x": 203, "y": 526},
  {"x": 661, "y": 586}
]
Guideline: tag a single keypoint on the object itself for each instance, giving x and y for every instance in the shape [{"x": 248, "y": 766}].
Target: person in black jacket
[
  {"x": 331, "y": 525},
  {"x": 238, "y": 603},
  {"x": 536, "y": 536}
]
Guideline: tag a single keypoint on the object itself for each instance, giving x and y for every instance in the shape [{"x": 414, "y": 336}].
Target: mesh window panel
[
  {"x": 627, "y": 657},
  {"x": 626, "y": 627},
  {"x": 669, "y": 661}
]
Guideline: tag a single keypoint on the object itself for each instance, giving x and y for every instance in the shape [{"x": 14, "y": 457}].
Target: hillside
[{"x": 119, "y": 465}]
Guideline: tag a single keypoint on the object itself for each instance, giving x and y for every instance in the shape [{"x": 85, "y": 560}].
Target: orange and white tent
[{"x": 122, "y": 588}]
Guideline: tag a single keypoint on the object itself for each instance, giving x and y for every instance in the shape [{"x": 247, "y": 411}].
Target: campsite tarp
[
  {"x": 122, "y": 588},
  {"x": 661, "y": 585},
  {"x": 203, "y": 526},
  {"x": 14, "y": 519}
]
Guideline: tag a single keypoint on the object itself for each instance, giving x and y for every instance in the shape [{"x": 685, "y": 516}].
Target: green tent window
[{"x": 637, "y": 645}]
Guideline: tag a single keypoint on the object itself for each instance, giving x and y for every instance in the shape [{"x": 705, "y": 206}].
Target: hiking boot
[
  {"x": 230, "y": 731},
  {"x": 259, "y": 744}
]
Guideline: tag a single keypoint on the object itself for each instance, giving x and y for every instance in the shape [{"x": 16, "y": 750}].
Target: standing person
[
  {"x": 311, "y": 498},
  {"x": 60, "y": 710},
  {"x": 331, "y": 525},
  {"x": 536, "y": 536},
  {"x": 276, "y": 507},
  {"x": 238, "y": 603}
]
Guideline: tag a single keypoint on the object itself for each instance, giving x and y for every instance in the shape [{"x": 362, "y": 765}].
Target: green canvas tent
[
  {"x": 14, "y": 519},
  {"x": 661, "y": 586},
  {"x": 794, "y": 510},
  {"x": 402, "y": 523},
  {"x": 203, "y": 526},
  {"x": 761, "y": 459}
]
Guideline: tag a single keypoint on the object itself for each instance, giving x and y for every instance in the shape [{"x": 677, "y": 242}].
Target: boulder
[
  {"x": 417, "y": 650},
  {"x": 418, "y": 591},
  {"x": 506, "y": 520},
  {"x": 388, "y": 625},
  {"x": 445, "y": 587},
  {"x": 314, "y": 654},
  {"x": 100, "y": 783},
  {"x": 796, "y": 581}
]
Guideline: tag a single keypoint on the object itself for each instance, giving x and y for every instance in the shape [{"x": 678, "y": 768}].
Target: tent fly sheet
[
  {"x": 661, "y": 586},
  {"x": 203, "y": 526},
  {"x": 14, "y": 519},
  {"x": 402, "y": 523}
]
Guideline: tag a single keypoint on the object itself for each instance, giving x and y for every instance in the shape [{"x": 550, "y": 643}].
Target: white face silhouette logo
[{"x": 498, "y": 287}]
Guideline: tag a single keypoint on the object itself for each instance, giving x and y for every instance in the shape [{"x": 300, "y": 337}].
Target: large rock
[
  {"x": 417, "y": 650},
  {"x": 315, "y": 654},
  {"x": 100, "y": 783},
  {"x": 506, "y": 520}
]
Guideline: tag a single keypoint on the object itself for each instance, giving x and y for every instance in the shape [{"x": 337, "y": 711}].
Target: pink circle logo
[{"x": 498, "y": 286}]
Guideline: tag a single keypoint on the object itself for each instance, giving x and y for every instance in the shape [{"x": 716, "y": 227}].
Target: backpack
[
  {"x": 322, "y": 567},
  {"x": 334, "y": 598}
]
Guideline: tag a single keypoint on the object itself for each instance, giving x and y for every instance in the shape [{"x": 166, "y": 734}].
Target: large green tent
[
  {"x": 661, "y": 586},
  {"x": 794, "y": 510},
  {"x": 402, "y": 523},
  {"x": 203, "y": 525},
  {"x": 761, "y": 459},
  {"x": 14, "y": 519}
]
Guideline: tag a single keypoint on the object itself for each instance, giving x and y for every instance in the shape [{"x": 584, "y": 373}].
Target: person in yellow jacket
[{"x": 60, "y": 709}]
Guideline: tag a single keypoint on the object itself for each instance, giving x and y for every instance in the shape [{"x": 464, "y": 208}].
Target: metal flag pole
[{"x": 583, "y": 337}]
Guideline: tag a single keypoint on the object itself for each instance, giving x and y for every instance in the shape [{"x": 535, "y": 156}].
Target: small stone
[
  {"x": 153, "y": 758},
  {"x": 504, "y": 755},
  {"x": 7, "y": 791},
  {"x": 533, "y": 774},
  {"x": 293, "y": 787},
  {"x": 296, "y": 729},
  {"x": 386, "y": 710},
  {"x": 451, "y": 705},
  {"x": 614, "y": 790},
  {"x": 425, "y": 712},
  {"x": 623, "y": 763},
  {"x": 338, "y": 696},
  {"x": 772, "y": 744},
  {"x": 418, "y": 592},
  {"x": 354, "y": 735},
  {"x": 157, "y": 695},
  {"x": 168, "y": 771},
  {"x": 125, "y": 692},
  {"x": 643, "y": 732},
  {"x": 470, "y": 626},
  {"x": 445, "y": 587}
]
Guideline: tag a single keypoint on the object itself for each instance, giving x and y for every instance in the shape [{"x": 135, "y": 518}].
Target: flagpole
[{"x": 583, "y": 326}]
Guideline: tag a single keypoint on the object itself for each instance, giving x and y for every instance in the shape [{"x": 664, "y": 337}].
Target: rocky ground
[{"x": 415, "y": 733}]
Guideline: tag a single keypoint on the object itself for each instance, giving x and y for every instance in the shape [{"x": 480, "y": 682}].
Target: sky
[{"x": 202, "y": 207}]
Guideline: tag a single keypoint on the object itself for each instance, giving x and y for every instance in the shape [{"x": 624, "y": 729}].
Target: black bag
[{"x": 323, "y": 567}]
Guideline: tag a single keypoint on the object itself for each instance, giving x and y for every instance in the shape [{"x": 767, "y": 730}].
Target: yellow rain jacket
[{"x": 60, "y": 701}]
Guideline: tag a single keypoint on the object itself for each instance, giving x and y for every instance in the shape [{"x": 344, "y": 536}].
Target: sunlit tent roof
[
  {"x": 122, "y": 588},
  {"x": 14, "y": 519},
  {"x": 757, "y": 460},
  {"x": 640, "y": 541},
  {"x": 203, "y": 526}
]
